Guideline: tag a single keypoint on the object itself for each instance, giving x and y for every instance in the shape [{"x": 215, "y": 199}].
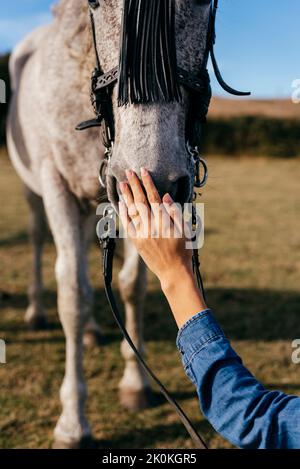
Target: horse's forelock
[{"x": 148, "y": 66}]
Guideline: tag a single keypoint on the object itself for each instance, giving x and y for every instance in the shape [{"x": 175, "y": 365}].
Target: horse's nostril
[
  {"x": 173, "y": 190},
  {"x": 180, "y": 191}
]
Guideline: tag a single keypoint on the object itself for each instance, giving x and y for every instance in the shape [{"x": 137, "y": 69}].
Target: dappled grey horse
[{"x": 50, "y": 75}]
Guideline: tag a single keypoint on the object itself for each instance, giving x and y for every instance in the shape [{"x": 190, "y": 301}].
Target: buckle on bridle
[{"x": 199, "y": 163}]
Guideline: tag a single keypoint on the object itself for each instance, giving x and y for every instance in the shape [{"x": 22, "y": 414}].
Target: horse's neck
[{"x": 71, "y": 26}]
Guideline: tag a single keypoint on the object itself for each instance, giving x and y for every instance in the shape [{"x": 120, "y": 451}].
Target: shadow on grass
[
  {"x": 157, "y": 398},
  {"x": 17, "y": 239},
  {"x": 42, "y": 339},
  {"x": 288, "y": 387},
  {"x": 20, "y": 238},
  {"x": 265, "y": 315},
  {"x": 20, "y": 300},
  {"x": 148, "y": 437},
  {"x": 245, "y": 314}
]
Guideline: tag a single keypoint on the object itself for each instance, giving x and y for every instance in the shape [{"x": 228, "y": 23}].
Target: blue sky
[{"x": 258, "y": 41}]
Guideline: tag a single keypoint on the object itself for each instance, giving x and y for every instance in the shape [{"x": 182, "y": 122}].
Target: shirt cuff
[{"x": 196, "y": 333}]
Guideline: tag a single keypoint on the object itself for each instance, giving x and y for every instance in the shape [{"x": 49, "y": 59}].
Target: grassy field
[{"x": 251, "y": 267}]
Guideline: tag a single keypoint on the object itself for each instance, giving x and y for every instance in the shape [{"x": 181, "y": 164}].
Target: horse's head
[{"x": 154, "y": 134}]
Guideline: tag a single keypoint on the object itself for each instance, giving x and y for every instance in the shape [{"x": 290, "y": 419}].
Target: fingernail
[
  {"x": 144, "y": 172},
  {"x": 168, "y": 199},
  {"x": 129, "y": 173},
  {"x": 123, "y": 186}
]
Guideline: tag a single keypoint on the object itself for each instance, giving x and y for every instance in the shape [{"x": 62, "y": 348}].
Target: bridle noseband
[{"x": 102, "y": 84}]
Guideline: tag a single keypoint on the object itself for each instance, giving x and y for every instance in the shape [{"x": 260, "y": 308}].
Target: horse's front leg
[
  {"x": 74, "y": 296},
  {"x": 134, "y": 387},
  {"x": 35, "y": 316}
]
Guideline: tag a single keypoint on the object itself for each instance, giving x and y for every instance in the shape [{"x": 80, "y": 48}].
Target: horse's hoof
[
  {"x": 136, "y": 400},
  {"x": 57, "y": 444},
  {"x": 93, "y": 338},
  {"x": 38, "y": 323},
  {"x": 85, "y": 443}
]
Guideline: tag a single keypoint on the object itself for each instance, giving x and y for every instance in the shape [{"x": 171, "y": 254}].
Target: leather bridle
[{"x": 101, "y": 97}]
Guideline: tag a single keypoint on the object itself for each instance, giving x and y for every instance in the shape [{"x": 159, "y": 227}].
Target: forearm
[
  {"x": 231, "y": 398},
  {"x": 182, "y": 293},
  {"x": 234, "y": 402}
]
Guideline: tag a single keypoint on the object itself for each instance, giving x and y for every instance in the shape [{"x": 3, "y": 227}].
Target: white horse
[{"x": 50, "y": 73}]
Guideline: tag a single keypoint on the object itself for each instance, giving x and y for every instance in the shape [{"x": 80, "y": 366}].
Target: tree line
[{"x": 253, "y": 135}]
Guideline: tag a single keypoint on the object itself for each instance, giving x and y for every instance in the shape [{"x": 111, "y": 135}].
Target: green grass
[{"x": 251, "y": 267}]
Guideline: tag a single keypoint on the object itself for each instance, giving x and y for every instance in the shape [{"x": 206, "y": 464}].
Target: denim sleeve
[{"x": 233, "y": 401}]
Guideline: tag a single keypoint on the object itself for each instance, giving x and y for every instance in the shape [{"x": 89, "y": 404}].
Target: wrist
[
  {"x": 182, "y": 274},
  {"x": 183, "y": 295}
]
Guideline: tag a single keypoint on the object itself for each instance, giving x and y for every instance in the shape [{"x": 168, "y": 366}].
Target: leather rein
[{"x": 101, "y": 91}]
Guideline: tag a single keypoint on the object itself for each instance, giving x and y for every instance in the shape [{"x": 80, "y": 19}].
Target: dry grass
[
  {"x": 251, "y": 265},
  {"x": 275, "y": 108}
]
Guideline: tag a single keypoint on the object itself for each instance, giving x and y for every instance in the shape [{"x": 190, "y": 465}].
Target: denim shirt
[{"x": 233, "y": 401}]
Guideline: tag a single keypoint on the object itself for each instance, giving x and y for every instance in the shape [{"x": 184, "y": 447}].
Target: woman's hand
[
  {"x": 157, "y": 229},
  {"x": 155, "y": 226}
]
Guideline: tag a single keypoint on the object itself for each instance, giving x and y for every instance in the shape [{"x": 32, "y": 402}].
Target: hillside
[{"x": 278, "y": 108}]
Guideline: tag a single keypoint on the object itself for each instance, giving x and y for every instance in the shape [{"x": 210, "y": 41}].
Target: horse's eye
[{"x": 93, "y": 3}]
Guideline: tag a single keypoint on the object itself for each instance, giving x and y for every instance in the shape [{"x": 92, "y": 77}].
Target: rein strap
[{"x": 108, "y": 245}]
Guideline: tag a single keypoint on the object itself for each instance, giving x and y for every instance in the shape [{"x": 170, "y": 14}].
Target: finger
[
  {"x": 159, "y": 219},
  {"x": 127, "y": 194},
  {"x": 154, "y": 200},
  {"x": 126, "y": 221},
  {"x": 174, "y": 211},
  {"x": 139, "y": 197},
  {"x": 136, "y": 188},
  {"x": 132, "y": 210},
  {"x": 135, "y": 217},
  {"x": 151, "y": 190}
]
